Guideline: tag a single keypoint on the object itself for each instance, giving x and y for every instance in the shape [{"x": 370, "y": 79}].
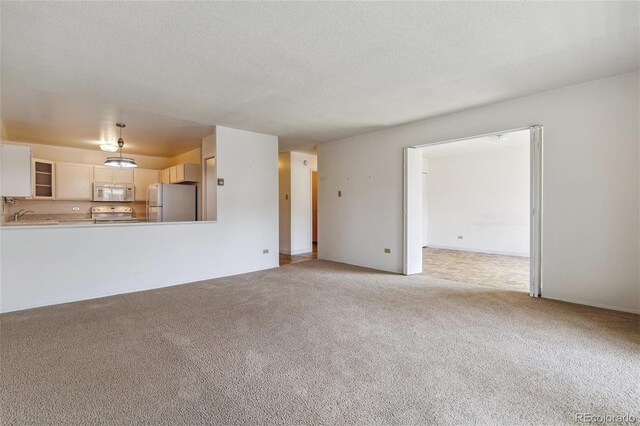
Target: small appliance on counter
[
  {"x": 113, "y": 192},
  {"x": 171, "y": 203},
  {"x": 113, "y": 214}
]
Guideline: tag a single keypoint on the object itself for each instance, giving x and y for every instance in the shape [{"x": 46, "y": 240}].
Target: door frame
[{"x": 535, "y": 208}]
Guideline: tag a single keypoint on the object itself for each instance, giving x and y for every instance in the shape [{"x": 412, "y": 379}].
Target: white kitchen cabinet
[
  {"x": 44, "y": 174},
  {"x": 123, "y": 176},
  {"x": 142, "y": 179},
  {"x": 16, "y": 171},
  {"x": 103, "y": 174},
  {"x": 166, "y": 176},
  {"x": 173, "y": 174},
  {"x": 185, "y": 172},
  {"x": 106, "y": 174},
  {"x": 73, "y": 181}
]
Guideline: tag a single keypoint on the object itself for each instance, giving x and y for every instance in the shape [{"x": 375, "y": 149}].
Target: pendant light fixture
[
  {"x": 120, "y": 161},
  {"x": 109, "y": 147}
]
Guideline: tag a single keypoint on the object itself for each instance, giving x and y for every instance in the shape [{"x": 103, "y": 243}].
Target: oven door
[{"x": 108, "y": 193}]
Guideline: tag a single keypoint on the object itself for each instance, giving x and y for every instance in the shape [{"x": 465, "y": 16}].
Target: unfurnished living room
[{"x": 320, "y": 213}]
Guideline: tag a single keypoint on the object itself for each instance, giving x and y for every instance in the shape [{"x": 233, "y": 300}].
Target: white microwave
[{"x": 113, "y": 192}]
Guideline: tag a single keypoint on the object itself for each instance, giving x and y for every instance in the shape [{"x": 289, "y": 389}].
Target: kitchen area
[{"x": 45, "y": 185}]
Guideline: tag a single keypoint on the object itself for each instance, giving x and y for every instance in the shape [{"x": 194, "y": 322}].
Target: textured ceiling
[
  {"x": 305, "y": 71},
  {"x": 475, "y": 145}
]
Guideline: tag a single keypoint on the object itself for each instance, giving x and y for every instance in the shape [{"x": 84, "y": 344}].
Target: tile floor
[{"x": 494, "y": 270}]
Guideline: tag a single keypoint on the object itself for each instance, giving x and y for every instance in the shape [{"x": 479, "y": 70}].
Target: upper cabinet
[
  {"x": 123, "y": 176},
  {"x": 104, "y": 174},
  {"x": 73, "y": 181},
  {"x": 16, "y": 171},
  {"x": 166, "y": 178},
  {"x": 185, "y": 172},
  {"x": 142, "y": 179},
  {"x": 44, "y": 172}
]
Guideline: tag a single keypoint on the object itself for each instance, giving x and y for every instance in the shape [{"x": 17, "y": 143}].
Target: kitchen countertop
[{"x": 54, "y": 219}]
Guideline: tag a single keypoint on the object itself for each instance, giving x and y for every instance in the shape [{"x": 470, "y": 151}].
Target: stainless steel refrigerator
[{"x": 171, "y": 203}]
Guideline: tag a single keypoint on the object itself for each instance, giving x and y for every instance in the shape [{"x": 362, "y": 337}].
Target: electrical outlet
[
  {"x": 265, "y": 251},
  {"x": 220, "y": 182},
  {"x": 387, "y": 250},
  {"x": 459, "y": 237},
  {"x": 286, "y": 196},
  {"x": 339, "y": 193}
]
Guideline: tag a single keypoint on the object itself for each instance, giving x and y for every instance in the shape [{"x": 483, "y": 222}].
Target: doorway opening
[
  {"x": 314, "y": 210},
  {"x": 298, "y": 185},
  {"x": 472, "y": 210}
]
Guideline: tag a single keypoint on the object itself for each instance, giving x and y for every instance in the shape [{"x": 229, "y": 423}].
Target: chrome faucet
[{"x": 17, "y": 215}]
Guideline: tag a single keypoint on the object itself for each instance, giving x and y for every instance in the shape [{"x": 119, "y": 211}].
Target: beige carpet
[{"x": 318, "y": 342}]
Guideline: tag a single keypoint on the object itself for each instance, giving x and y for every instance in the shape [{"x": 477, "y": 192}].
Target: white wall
[
  {"x": 591, "y": 244},
  {"x": 60, "y": 264},
  {"x": 301, "y": 213},
  {"x": 295, "y": 212},
  {"x": 482, "y": 197},
  {"x": 425, "y": 203},
  {"x": 284, "y": 200}
]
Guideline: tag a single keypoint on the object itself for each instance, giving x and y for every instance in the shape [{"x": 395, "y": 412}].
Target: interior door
[{"x": 412, "y": 211}]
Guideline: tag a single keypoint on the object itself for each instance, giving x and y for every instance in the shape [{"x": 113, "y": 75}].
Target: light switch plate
[
  {"x": 339, "y": 193},
  {"x": 220, "y": 182}
]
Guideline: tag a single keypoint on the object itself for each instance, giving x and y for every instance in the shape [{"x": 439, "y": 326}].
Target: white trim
[
  {"x": 412, "y": 222},
  {"x": 535, "y": 252},
  {"x": 594, "y": 305},
  {"x": 295, "y": 252},
  {"x": 535, "y": 275},
  {"x": 405, "y": 197},
  {"x": 424, "y": 145}
]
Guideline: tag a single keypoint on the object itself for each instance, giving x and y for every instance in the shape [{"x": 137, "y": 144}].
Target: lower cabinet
[{"x": 73, "y": 181}]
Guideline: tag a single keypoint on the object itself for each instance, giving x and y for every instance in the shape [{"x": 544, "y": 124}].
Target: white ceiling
[
  {"x": 306, "y": 71},
  {"x": 476, "y": 145},
  {"x": 82, "y": 122}
]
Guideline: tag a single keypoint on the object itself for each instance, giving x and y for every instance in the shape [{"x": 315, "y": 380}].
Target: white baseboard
[
  {"x": 595, "y": 305},
  {"x": 298, "y": 251}
]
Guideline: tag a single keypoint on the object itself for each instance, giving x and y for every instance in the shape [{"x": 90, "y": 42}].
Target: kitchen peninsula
[{"x": 54, "y": 185}]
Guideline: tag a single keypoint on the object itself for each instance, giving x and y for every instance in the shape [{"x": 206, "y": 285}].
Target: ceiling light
[
  {"x": 120, "y": 161},
  {"x": 109, "y": 147}
]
